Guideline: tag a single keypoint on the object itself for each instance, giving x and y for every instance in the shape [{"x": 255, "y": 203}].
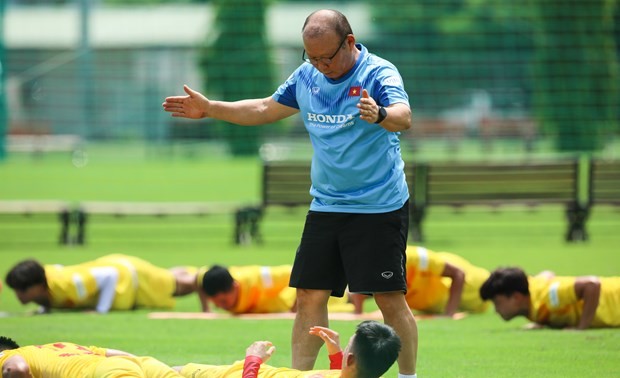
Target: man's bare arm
[
  {"x": 456, "y": 288},
  {"x": 250, "y": 112},
  {"x": 588, "y": 289}
]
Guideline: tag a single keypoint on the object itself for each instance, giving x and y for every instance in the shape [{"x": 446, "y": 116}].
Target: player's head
[
  {"x": 329, "y": 43},
  {"x": 220, "y": 287},
  {"x": 7, "y": 343},
  {"x": 28, "y": 280},
  {"x": 372, "y": 349},
  {"x": 508, "y": 289}
]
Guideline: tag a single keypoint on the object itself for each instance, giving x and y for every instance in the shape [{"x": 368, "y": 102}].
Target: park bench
[
  {"x": 85, "y": 210},
  {"x": 287, "y": 184},
  {"x": 604, "y": 182},
  {"x": 28, "y": 208},
  {"x": 459, "y": 184},
  {"x": 75, "y": 217},
  {"x": 284, "y": 183}
]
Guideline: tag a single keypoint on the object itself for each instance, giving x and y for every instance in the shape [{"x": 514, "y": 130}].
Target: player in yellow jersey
[
  {"x": 113, "y": 282},
  {"x": 254, "y": 289},
  {"x": 558, "y": 302},
  {"x": 63, "y": 359},
  {"x": 371, "y": 351},
  {"x": 439, "y": 283}
]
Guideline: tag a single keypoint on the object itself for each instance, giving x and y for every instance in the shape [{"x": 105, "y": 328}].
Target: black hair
[
  {"x": 505, "y": 281},
  {"x": 217, "y": 280},
  {"x": 375, "y": 347},
  {"x": 26, "y": 274},
  {"x": 7, "y": 343}
]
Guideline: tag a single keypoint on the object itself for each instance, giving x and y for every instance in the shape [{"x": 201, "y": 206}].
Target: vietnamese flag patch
[{"x": 355, "y": 91}]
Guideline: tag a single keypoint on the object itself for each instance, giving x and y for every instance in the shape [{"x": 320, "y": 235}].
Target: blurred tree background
[
  {"x": 533, "y": 75},
  {"x": 237, "y": 65}
]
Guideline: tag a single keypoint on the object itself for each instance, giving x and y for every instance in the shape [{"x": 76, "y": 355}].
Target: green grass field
[{"x": 477, "y": 346}]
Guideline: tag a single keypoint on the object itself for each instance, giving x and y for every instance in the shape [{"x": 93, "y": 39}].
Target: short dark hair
[
  {"x": 217, "y": 280},
  {"x": 26, "y": 274},
  {"x": 505, "y": 281},
  {"x": 7, "y": 343},
  {"x": 376, "y": 347}
]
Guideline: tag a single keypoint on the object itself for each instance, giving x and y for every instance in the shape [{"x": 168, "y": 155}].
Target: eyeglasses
[{"x": 326, "y": 61}]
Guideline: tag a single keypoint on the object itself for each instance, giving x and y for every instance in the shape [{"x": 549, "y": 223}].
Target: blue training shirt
[{"x": 356, "y": 166}]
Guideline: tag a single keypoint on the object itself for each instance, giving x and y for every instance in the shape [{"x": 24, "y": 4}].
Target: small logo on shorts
[{"x": 387, "y": 275}]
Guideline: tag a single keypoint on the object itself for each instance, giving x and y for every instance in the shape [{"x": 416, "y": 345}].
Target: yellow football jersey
[
  {"x": 63, "y": 359},
  {"x": 555, "y": 304},
  {"x": 155, "y": 285},
  {"x": 76, "y": 286},
  {"x": 265, "y": 371},
  {"x": 428, "y": 291},
  {"x": 59, "y": 359},
  {"x": 263, "y": 289}
]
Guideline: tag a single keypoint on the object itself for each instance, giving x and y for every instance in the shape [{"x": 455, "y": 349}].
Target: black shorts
[{"x": 364, "y": 251}]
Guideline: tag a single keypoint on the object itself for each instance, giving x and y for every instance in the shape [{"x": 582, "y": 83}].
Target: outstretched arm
[
  {"x": 456, "y": 288},
  {"x": 256, "y": 354},
  {"x": 249, "y": 112},
  {"x": 331, "y": 339},
  {"x": 589, "y": 290},
  {"x": 15, "y": 367}
]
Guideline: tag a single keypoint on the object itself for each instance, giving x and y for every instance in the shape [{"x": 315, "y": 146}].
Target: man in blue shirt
[{"x": 353, "y": 105}]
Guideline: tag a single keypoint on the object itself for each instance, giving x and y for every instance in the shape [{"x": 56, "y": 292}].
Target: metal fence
[{"x": 485, "y": 72}]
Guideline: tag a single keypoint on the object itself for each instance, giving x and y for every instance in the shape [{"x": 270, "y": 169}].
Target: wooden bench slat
[{"x": 605, "y": 182}]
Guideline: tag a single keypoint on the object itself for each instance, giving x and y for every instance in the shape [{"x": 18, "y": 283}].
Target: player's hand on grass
[
  {"x": 194, "y": 105},
  {"x": 329, "y": 337},
  {"x": 261, "y": 349},
  {"x": 41, "y": 310},
  {"x": 530, "y": 326},
  {"x": 454, "y": 315}
]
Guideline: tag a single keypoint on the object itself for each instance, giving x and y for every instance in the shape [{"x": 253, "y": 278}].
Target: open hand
[
  {"x": 329, "y": 336},
  {"x": 261, "y": 349},
  {"x": 194, "y": 105}
]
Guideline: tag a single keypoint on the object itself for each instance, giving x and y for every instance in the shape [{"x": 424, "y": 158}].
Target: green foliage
[
  {"x": 3, "y": 99},
  {"x": 556, "y": 59},
  {"x": 152, "y": 2},
  {"x": 576, "y": 72},
  {"x": 443, "y": 49},
  {"x": 237, "y": 65}
]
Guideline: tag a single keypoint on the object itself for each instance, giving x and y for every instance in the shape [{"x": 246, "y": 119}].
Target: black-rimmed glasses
[{"x": 326, "y": 61}]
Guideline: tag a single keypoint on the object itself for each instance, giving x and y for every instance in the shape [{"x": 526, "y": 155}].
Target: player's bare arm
[
  {"x": 456, "y": 287},
  {"x": 251, "y": 112},
  {"x": 398, "y": 115},
  {"x": 588, "y": 289},
  {"x": 204, "y": 300},
  {"x": 330, "y": 337}
]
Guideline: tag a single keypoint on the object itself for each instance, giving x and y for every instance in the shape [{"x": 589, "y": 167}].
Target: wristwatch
[{"x": 382, "y": 114}]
